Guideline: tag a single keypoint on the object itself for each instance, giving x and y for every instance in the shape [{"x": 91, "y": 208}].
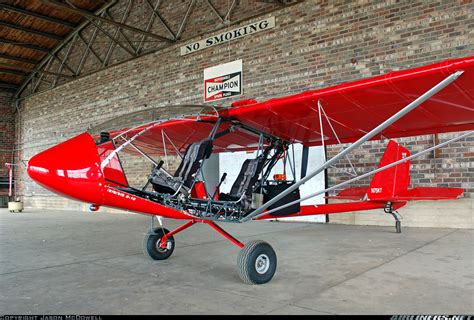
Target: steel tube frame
[
  {"x": 212, "y": 224},
  {"x": 226, "y": 18},
  {"x": 28, "y": 70},
  {"x": 100, "y": 18},
  {"x": 213, "y": 9},
  {"x": 60, "y": 46},
  {"x": 418, "y": 101},
  {"x": 147, "y": 28},
  {"x": 66, "y": 65},
  {"x": 88, "y": 49},
  {"x": 117, "y": 31},
  {"x": 127, "y": 39},
  {"x": 39, "y": 76},
  {"x": 175, "y": 231},
  {"x": 162, "y": 20},
  {"x": 90, "y": 15},
  {"x": 224, "y": 233},
  {"x": 63, "y": 63},
  {"x": 388, "y": 166},
  {"x": 185, "y": 19}
]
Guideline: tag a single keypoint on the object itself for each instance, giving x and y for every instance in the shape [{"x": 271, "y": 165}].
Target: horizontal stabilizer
[
  {"x": 429, "y": 193},
  {"x": 355, "y": 193}
]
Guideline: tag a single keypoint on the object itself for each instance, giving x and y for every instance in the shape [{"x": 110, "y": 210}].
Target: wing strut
[
  {"x": 321, "y": 109},
  {"x": 428, "y": 94}
]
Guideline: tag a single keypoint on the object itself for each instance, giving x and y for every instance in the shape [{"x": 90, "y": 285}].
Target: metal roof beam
[
  {"x": 14, "y": 72},
  {"x": 29, "y": 30},
  {"x": 60, "y": 46},
  {"x": 232, "y": 6},
  {"x": 213, "y": 9},
  {"x": 37, "y": 15},
  {"x": 112, "y": 44},
  {"x": 19, "y": 59},
  {"x": 111, "y": 37},
  {"x": 23, "y": 45},
  {"x": 148, "y": 26},
  {"x": 28, "y": 70},
  {"x": 162, "y": 20},
  {"x": 8, "y": 86},
  {"x": 93, "y": 16},
  {"x": 185, "y": 19},
  {"x": 123, "y": 34}
]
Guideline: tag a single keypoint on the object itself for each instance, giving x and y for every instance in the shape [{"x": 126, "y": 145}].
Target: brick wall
[
  {"x": 314, "y": 44},
  {"x": 7, "y": 138}
]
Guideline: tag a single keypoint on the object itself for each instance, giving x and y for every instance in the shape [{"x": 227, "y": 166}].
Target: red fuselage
[{"x": 72, "y": 169}]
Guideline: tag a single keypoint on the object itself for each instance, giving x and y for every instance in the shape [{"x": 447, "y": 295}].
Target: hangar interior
[{"x": 80, "y": 65}]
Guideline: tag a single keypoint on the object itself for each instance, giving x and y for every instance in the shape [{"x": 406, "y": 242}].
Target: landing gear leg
[
  {"x": 389, "y": 209},
  {"x": 257, "y": 260}
]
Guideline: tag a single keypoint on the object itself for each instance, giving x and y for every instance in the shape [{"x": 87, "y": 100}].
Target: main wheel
[
  {"x": 257, "y": 262},
  {"x": 152, "y": 241}
]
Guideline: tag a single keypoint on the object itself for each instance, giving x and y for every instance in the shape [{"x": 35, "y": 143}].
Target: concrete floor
[{"x": 92, "y": 263}]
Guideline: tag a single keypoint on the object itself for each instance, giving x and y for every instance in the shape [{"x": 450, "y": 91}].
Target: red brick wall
[{"x": 7, "y": 134}]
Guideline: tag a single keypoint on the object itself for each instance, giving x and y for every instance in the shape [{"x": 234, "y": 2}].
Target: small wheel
[
  {"x": 398, "y": 226},
  {"x": 257, "y": 262},
  {"x": 152, "y": 248}
]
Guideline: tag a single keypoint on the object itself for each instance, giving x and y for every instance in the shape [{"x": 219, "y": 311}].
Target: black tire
[
  {"x": 151, "y": 245},
  {"x": 257, "y": 262}
]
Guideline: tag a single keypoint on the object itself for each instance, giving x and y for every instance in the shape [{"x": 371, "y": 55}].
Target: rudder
[{"x": 389, "y": 183}]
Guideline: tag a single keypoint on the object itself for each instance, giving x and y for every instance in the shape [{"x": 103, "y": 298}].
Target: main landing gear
[{"x": 256, "y": 262}]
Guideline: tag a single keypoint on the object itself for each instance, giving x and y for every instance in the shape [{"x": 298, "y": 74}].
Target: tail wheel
[
  {"x": 152, "y": 244},
  {"x": 398, "y": 226},
  {"x": 257, "y": 262}
]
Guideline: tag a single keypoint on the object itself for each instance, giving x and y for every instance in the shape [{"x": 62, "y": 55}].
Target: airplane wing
[
  {"x": 348, "y": 111},
  {"x": 355, "y": 108}
]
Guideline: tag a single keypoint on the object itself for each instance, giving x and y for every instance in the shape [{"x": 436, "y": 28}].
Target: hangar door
[{"x": 231, "y": 162}]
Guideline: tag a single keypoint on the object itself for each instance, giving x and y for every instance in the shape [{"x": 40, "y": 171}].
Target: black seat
[
  {"x": 247, "y": 178},
  {"x": 183, "y": 178}
]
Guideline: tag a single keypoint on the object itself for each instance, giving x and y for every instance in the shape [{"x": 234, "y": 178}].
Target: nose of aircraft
[{"x": 71, "y": 168}]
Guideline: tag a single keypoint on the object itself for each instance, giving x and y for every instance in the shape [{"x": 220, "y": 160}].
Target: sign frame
[{"x": 223, "y": 81}]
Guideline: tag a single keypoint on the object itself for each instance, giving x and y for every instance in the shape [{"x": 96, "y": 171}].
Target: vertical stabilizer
[{"x": 393, "y": 181}]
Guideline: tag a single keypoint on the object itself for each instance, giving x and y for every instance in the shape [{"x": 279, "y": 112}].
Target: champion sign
[
  {"x": 223, "y": 81},
  {"x": 229, "y": 36}
]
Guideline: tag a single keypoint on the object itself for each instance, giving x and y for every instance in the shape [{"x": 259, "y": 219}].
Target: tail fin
[
  {"x": 392, "y": 184},
  {"x": 389, "y": 183}
]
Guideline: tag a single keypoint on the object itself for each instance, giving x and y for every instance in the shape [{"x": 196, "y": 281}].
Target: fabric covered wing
[
  {"x": 352, "y": 109},
  {"x": 355, "y": 108}
]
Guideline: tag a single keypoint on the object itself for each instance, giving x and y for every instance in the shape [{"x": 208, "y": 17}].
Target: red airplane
[{"x": 426, "y": 100}]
